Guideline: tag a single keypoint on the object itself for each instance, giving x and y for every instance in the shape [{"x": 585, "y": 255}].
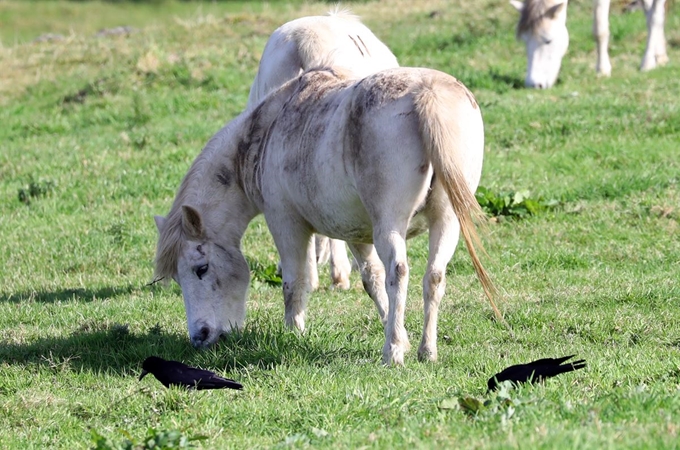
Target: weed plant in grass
[{"x": 98, "y": 132}]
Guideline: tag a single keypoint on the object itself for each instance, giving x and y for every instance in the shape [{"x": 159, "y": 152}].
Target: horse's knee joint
[
  {"x": 436, "y": 277},
  {"x": 401, "y": 269}
]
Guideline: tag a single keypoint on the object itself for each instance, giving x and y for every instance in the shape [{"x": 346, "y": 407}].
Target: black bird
[
  {"x": 534, "y": 371},
  {"x": 175, "y": 373}
]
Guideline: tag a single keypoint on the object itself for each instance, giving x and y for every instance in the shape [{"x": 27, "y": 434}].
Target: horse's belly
[
  {"x": 341, "y": 216},
  {"x": 348, "y": 220}
]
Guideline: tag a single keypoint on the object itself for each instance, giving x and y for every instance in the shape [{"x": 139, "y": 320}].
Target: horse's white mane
[
  {"x": 531, "y": 15},
  {"x": 343, "y": 13},
  {"x": 171, "y": 234}
]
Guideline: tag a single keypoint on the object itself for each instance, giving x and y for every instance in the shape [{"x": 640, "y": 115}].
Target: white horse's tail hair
[{"x": 442, "y": 137}]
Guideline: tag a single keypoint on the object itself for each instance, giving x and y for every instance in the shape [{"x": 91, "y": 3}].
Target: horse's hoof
[
  {"x": 425, "y": 355},
  {"x": 342, "y": 284},
  {"x": 393, "y": 355}
]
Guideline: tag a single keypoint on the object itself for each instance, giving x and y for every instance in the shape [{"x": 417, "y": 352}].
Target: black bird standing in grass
[
  {"x": 534, "y": 371},
  {"x": 175, "y": 373}
]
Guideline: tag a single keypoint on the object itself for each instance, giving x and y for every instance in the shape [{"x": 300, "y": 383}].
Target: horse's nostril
[
  {"x": 200, "y": 339},
  {"x": 204, "y": 333}
]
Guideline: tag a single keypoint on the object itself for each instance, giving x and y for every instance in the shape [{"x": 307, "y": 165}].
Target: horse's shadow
[
  {"x": 112, "y": 348},
  {"x": 79, "y": 294}
]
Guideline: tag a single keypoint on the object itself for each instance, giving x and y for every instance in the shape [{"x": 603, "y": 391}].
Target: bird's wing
[
  {"x": 551, "y": 370},
  {"x": 205, "y": 379},
  {"x": 217, "y": 382}
]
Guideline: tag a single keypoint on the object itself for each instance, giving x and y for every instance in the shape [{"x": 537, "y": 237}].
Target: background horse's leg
[
  {"x": 323, "y": 249},
  {"x": 444, "y": 232},
  {"x": 601, "y": 33},
  {"x": 294, "y": 241},
  {"x": 340, "y": 265},
  {"x": 391, "y": 247},
  {"x": 372, "y": 276},
  {"x": 313, "y": 269},
  {"x": 655, "y": 53}
]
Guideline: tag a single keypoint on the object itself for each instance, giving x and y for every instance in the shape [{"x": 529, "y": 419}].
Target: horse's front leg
[
  {"x": 391, "y": 247},
  {"x": 655, "y": 52},
  {"x": 444, "y": 233},
  {"x": 601, "y": 33},
  {"x": 294, "y": 241}
]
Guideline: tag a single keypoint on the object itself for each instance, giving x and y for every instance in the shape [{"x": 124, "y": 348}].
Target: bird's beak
[{"x": 143, "y": 374}]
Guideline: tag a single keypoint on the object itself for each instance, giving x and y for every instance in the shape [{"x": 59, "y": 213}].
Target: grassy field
[{"x": 97, "y": 132}]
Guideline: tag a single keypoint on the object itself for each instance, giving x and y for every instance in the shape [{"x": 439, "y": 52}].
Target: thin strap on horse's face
[{"x": 156, "y": 280}]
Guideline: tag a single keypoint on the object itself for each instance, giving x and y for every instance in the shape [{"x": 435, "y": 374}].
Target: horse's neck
[
  {"x": 214, "y": 187},
  {"x": 251, "y": 139}
]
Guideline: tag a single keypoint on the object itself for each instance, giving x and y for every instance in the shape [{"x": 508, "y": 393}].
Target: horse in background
[
  {"x": 543, "y": 27},
  {"x": 340, "y": 40},
  {"x": 373, "y": 161}
]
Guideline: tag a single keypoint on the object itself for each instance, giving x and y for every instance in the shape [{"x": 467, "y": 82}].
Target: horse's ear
[
  {"x": 519, "y": 6},
  {"x": 556, "y": 10},
  {"x": 192, "y": 223},
  {"x": 160, "y": 221}
]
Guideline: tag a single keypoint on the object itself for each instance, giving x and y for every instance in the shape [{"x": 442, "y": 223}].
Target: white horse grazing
[
  {"x": 543, "y": 27},
  {"x": 372, "y": 161},
  {"x": 336, "y": 40}
]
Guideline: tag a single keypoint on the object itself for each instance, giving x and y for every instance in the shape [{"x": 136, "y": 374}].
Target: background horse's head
[{"x": 543, "y": 27}]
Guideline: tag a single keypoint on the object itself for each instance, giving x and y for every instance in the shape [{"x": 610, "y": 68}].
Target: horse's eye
[{"x": 200, "y": 271}]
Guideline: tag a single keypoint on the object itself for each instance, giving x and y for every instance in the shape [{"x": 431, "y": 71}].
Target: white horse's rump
[
  {"x": 372, "y": 162},
  {"x": 337, "y": 40},
  {"x": 543, "y": 27}
]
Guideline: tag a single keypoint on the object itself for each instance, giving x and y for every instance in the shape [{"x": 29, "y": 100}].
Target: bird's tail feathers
[{"x": 580, "y": 364}]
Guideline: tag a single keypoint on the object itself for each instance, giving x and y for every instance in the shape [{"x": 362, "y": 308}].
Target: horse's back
[
  {"x": 401, "y": 99},
  {"x": 341, "y": 148}
]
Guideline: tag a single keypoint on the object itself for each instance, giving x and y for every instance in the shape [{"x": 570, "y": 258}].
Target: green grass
[{"x": 98, "y": 132}]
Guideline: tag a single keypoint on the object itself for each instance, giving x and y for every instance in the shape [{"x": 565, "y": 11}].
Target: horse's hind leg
[
  {"x": 323, "y": 249},
  {"x": 391, "y": 247},
  {"x": 340, "y": 265},
  {"x": 372, "y": 276},
  {"x": 444, "y": 232}
]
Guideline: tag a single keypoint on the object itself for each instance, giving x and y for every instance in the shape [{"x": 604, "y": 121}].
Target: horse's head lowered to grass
[
  {"x": 543, "y": 27},
  {"x": 209, "y": 274},
  {"x": 201, "y": 255}
]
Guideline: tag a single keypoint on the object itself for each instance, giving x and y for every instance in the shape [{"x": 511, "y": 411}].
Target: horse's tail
[{"x": 450, "y": 125}]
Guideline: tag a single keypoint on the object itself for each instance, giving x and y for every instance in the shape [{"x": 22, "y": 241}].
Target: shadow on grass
[
  {"x": 97, "y": 347},
  {"x": 77, "y": 294},
  {"x": 105, "y": 347},
  {"x": 267, "y": 345}
]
